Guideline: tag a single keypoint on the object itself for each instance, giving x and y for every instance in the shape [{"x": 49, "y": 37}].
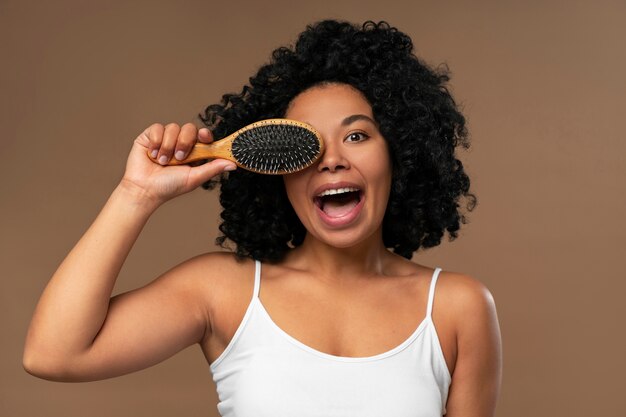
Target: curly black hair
[{"x": 416, "y": 115}]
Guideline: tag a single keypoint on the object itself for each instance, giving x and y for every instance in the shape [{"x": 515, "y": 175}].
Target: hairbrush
[{"x": 272, "y": 146}]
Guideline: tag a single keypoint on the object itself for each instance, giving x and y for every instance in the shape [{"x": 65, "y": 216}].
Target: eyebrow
[{"x": 355, "y": 117}]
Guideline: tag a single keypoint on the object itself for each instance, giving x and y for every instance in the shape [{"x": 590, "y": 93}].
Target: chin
[{"x": 345, "y": 239}]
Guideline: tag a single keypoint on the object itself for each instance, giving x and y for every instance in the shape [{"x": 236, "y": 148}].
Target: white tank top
[{"x": 265, "y": 372}]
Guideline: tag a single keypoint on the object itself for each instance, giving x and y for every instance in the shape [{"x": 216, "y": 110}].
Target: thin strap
[
  {"x": 431, "y": 292},
  {"x": 257, "y": 278}
]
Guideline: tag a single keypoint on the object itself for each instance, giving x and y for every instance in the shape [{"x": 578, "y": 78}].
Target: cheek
[
  {"x": 377, "y": 169},
  {"x": 295, "y": 185},
  {"x": 385, "y": 165},
  {"x": 381, "y": 176}
]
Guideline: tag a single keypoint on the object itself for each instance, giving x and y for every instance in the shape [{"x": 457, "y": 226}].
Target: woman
[{"x": 312, "y": 314}]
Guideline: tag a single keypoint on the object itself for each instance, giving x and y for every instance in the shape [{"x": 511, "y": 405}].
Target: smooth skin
[{"x": 80, "y": 333}]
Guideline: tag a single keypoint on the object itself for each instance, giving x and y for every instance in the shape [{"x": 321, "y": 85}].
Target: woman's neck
[{"x": 369, "y": 258}]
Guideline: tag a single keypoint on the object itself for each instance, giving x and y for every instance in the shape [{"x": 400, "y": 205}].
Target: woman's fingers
[
  {"x": 205, "y": 135},
  {"x": 205, "y": 172},
  {"x": 186, "y": 139},
  {"x": 154, "y": 133},
  {"x": 168, "y": 143},
  {"x": 173, "y": 141}
]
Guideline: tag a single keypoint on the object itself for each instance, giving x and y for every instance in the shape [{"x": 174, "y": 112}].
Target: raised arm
[{"x": 78, "y": 332}]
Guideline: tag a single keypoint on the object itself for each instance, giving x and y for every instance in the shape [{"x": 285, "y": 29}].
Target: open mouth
[{"x": 338, "y": 202}]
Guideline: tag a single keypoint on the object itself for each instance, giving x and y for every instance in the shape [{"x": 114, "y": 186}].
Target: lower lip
[{"x": 343, "y": 220}]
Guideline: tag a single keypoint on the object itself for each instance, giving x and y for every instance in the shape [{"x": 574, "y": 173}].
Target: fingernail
[
  {"x": 154, "y": 153},
  {"x": 180, "y": 155},
  {"x": 163, "y": 160},
  {"x": 230, "y": 167}
]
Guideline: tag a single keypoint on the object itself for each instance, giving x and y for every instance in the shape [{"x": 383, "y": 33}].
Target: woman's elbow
[{"x": 42, "y": 365}]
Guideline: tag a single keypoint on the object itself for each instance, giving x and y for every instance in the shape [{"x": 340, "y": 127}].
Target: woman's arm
[
  {"x": 478, "y": 370},
  {"x": 77, "y": 331}
]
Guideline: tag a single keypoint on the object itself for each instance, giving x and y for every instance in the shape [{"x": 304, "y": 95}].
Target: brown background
[{"x": 542, "y": 84}]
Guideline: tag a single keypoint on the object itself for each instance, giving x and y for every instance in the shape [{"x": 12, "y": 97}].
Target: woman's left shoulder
[
  {"x": 465, "y": 297},
  {"x": 477, "y": 352}
]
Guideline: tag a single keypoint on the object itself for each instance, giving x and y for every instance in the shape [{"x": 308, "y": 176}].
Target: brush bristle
[{"x": 276, "y": 148}]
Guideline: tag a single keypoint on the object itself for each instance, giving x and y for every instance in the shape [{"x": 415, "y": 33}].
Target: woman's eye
[{"x": 356, "y": 137}]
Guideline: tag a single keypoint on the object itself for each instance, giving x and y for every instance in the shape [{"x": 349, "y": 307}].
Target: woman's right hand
[{"x": 158, "y": 181}]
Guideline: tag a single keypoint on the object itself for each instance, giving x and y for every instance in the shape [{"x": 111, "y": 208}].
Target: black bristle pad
[{"x": 272, "y": 149}]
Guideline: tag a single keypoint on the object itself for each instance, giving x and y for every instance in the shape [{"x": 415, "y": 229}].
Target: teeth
[{"x": 337, "y": 191}]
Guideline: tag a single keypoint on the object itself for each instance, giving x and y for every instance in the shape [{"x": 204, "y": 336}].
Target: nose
[{"x": 333, "y": 158}]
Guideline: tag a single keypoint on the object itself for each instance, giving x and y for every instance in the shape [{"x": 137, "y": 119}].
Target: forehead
[{"x": 328, "y": 101}]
